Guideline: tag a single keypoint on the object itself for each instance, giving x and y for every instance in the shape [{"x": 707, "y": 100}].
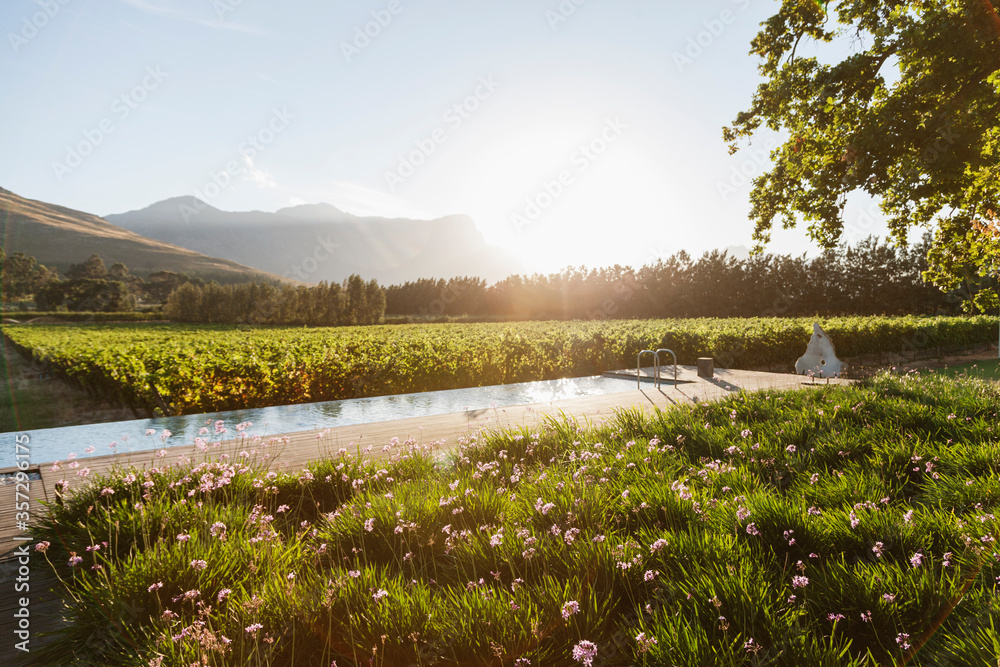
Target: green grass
[
  {"x": 985, "y": 370},
  {"x": 832, "y": 526},
  {"x": 24, "y": 405}
]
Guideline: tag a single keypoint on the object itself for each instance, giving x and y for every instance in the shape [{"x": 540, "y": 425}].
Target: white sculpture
[{"x": 820, "y": 359}]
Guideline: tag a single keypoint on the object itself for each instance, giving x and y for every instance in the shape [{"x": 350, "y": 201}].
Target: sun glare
[{"x": 564, "y": 194}]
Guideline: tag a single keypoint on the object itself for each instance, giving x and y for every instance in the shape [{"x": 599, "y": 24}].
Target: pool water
[{"x": 54, "y": 444}]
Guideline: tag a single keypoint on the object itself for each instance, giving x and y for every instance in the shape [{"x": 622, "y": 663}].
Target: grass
[
  {"x": 24, "y": 404},
  {"x": 34, "y": 400},
  {"x": 832, "y": 526},
  {"x": 988, "y": 369}
]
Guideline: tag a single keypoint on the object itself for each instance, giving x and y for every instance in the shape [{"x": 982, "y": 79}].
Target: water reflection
[{"x": 98, "y": 439}]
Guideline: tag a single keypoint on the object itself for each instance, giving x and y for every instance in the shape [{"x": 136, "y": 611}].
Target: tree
[
  {"x": 92, "y": 269},
  {"x": 22, "y": 276},
  {"x": 967, "y": 261},
  {"x": 50, "y": 297},
  {"x": 161, "y": 284},
  {"x": 184, "y": 304},
  {"x": 357, "y": 306},
  {"x": 911, "y": 117},
  {"x": 97, "y": 296}
]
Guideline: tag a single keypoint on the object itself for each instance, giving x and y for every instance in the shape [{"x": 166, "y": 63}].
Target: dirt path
[{"x": 32, "y": 399}]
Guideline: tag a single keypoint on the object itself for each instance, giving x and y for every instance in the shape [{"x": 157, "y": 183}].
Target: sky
[{"x": 573, "y": 132}]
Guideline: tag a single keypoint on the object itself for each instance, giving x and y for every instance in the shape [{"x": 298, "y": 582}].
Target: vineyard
[{"x": 184, "y": 369}]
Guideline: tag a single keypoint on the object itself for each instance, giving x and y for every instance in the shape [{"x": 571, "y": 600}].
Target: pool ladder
[{"x": 656, "y": 366}]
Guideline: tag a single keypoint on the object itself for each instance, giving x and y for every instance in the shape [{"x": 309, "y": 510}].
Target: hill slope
[
  {"x": 58, "y": 237},
  {"x": 320, "y": 242}
]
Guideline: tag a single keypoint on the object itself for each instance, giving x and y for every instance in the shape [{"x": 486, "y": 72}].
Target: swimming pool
[{"x": 56, "y": 443}]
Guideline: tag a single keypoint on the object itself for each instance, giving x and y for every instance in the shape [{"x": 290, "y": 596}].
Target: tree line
[
  {"x": 870, "y": 278},
  {"x": 355, "y": 302},
  {"x": 88, "y": 286}
]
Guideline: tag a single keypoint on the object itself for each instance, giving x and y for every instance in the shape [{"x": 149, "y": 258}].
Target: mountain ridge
[
  {"x": 317, "y": 242},
  {"x": 59, "y": 236}
]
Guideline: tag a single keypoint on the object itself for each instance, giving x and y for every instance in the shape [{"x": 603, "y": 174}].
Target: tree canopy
[{"x": 911, "y": 117}]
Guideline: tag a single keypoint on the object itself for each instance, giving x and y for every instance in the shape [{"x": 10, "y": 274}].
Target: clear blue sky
[{"x": 489, "y": 104}]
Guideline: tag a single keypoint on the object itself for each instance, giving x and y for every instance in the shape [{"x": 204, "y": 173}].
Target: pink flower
[
  {"x": 253, "y": 628},
  {"x": 42, "y": 547},
  {"x": 752, "y": 529},
  {"x": 570, "y": 608},
  {"x": 199, "y": 564},
  {"x": 381, "y": 593},
  {"x": 544, "y": 508},
  {"x": 800, "y": 581},
  {"x": 657, "y": 545},
  {"x": 369, "y": 525},
  {"x": 224, "y": 593},
  {"x": 74, "y": 561},
  {"x": 917, "y": 559},
  {"x": 650, "y": 575},
  {"x": 645, "y": 643},
  {"x": 585, "y": 652}
]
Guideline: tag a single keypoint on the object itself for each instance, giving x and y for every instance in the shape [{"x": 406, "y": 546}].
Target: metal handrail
[
  {"x": 638, "y": 368},
  {"x": 657, "y": 365}
]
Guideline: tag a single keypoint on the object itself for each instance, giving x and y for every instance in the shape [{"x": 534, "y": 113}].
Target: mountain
[
  {"x": 59, "y": 237},
  {"x": 315, "y": 242}
]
